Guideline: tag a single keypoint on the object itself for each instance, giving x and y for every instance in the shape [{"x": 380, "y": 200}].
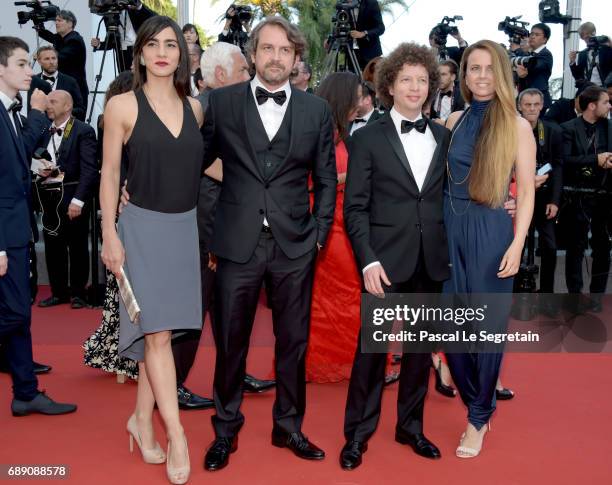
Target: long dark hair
[
  {"x": 147, "y": 31},
  {"x": 188, "y": 27},
  {"x": 339, "y": 89}
]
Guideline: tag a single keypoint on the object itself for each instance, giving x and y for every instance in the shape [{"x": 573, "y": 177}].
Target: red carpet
[{"x": 556, "y": 431}]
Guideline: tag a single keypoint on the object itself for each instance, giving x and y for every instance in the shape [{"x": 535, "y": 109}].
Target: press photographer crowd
[{"x": 218, "y": 170}]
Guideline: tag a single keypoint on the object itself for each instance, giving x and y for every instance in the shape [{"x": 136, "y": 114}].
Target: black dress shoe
[
  {"x": 504, "y": 394},
  {"x": 421, "y": 445},
  {"x": 41, "y": 368},
  {"x": 350, "y": 456},
  {"x": 190, "y": 400},
  {"x": 445, "y": 390},
  {"x": 299, "y": 444},
  {"x": 41, "y": 404},
  {"x": 52, "y": 301},
  {"x": 250, "y": 384},
  {"x": 77, "y": 303},
  {"x": 218, "y": 453}
]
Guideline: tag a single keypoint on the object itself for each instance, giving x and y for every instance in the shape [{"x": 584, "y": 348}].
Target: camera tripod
[
  {"x": 112, "y": 36},
  {"x": 341, "y": 57}
]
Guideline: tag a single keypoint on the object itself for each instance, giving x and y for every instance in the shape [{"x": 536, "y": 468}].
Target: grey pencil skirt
[{"x": 162, "y": 263}]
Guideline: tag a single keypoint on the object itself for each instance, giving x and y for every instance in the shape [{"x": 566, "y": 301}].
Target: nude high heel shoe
[
  {"x": 155, "y": 456},
  {"x": 180, "y": 475},
  {"x": 467, "y": 452}
]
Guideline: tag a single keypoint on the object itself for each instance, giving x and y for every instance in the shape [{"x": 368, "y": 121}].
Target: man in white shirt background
[
  {"x": 366, "y": 112},
  {"x": 448, "y": 95}
]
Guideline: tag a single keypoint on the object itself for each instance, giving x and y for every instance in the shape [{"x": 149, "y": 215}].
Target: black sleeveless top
[{"x": 164, "y": 172}]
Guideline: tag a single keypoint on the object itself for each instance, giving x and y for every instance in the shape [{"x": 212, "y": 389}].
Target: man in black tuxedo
[
  {"x": 18, "y": 142},
  {"x": 587, "y": 183},
  {"x": 448, "y": 97},
  {"x": 538, "y": 75},
  {"x": 595, "y": 62},
  {"x": 566, "y": 109},
  {"x": 549, "y": 145},
  {"x": 66, "y": 201},
  {"x": 366, "y": 111},
  {"x": 393, "y": 216},
  {"x": 271, "y": 138},
  {"x": 51, "y": 79},
  {"x": 70, "y": 49},
  {"x": 129, "y": 22},
  {"x": 368, "y": 30}
]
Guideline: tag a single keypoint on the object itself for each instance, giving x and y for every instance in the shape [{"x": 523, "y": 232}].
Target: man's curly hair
[{"x": 405, "y": 53}]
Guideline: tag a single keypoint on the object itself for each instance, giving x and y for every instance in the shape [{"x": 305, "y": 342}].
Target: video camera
[
  {"x": 550, "y": 13},
  {"x": 514, "y": 29},
  {"x": 102, "y": 7},
  {"x": 440, "y": 32},
  {"x": 344, "y": 19},
  {"x": 39, "y": 13},
  {"x": 242, "y": 15},
  {"x": 597, "y": 41}
]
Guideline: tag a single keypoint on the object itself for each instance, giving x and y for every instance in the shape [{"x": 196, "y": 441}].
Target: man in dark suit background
[
  {"x": 366, "y": 111},
  {"x": 130, "y": 21},
  {"x": 300, "y": 77},
  {"x": 538, "y": 75},
  {"x": 66, "y": 203},
  {"x": 448, "y": 97},
  {"x": 393, "y": 214},
  {"x": 566, "y": 109},
  {"x": 17, "y": 145},
  {"x": 369, "y": 29},
  {"x": 70, "y": 49},
  {"x": 272, "y": 138},
  {"x": 453, "y": 53},
  {"x": 595, "y": 62},
  {"x": 587, "y": 184},
  {"x": 50, "y": 79}
]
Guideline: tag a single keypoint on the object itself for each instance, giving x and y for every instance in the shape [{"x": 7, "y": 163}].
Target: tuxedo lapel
[
  {"x": 395, "y": 142},
  {"x": 437, "y": 134},
  {"x": 18, "y": 143},
  {"x": 241, "y": 98}
]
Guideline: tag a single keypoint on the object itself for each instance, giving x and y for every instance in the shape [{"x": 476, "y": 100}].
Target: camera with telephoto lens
[
  {"x": 39, "y": 14},
  {"x": 102, "y": 7},
  {"x": 441, "y": 31},
  {"x": 514, "y": 28},
  {"x": 597, "y": 41},
  {"x": 344, "y": 19},
  {"x": 242, "y": 15}
]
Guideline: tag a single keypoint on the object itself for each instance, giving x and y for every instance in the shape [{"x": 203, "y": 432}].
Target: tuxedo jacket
[
  {"x": 458, "y": 103},
  {"x": 551, "y": 151},
  {"x": 15, "y": 181},
  {"x": 387, "y": 217},
  {"x": 370, "y": 19},
  {"x": 77, "y": 159},
  {"x": 65, "y": 83},
  {"x": 580, "y": 68},
  {"x": 375, "y": 116},
  {"x": 71, "y": 56},
  {"x": 561, "y": 111},
  {"x": 538, "y": 75},
  {"x": 455, "y": 53},
  {"x": 282, "y": 197},
  {"x": 578, "y": 155}
]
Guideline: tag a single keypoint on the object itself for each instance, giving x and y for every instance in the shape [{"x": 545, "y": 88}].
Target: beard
[{"x": 279, "y": 77}]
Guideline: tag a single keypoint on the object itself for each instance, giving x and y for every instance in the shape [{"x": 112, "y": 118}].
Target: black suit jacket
[
  {"x": 77, "y": 159},
  {"x": 65, "y": 83},
  {"x": 375, "y": 116},
  {"x": 458, "y": 103},
  {"x": 370, "y": 19},
  {"x": 387, "y": 217},
  {"x": 561, "y": 111},
  {"x": 455, "y": 53},
  {"x": 538, "y": 75},
  {"x": 580, "y": 68},
  {"x": 576, "y": 153},
  {"x": 246, "y": 196},
  {"x": 551, "y": 151},
  {"x": 137, "y": 17},
  {"x": 71, "y": 55}
]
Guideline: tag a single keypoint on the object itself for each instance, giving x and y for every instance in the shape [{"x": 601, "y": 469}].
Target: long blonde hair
[{"x": 496, "y": 148}]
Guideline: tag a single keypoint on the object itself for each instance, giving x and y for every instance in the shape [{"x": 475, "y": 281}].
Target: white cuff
[
  {"x": 78, "y": 202},
  {"x": 375, "y": 263},
  {"x": 2, "y": 253}
]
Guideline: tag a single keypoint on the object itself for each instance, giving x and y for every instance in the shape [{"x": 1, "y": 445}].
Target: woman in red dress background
[{"x": 336, "y": 296}]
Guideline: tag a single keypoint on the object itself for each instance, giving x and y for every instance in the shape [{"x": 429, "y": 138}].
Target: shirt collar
[
  {"x": 366, "y": 117},
  {"x": 63, "y": 124},
  {"x": 256, "y": 83},
  {"x": 398, "y": 118},
  {"x": 539, "y": 49},
  {"x": 6, "y": 101},
  {"x": 54, "y": 75}
]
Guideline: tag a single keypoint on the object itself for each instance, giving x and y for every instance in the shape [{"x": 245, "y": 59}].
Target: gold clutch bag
[{"x": 128, "y": 297}]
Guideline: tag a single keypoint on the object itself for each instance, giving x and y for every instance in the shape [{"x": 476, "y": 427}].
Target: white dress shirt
[
  {"x": 127, "y": 32},
  {"x": 270, "y": 112},
  {"x": 54, "y": 143},
  {"x": 54, "y": 76},
  {"x": 444, "y": 104},
  {"x": 360, "y": 124},
  {"x": 419, "y": 149}
]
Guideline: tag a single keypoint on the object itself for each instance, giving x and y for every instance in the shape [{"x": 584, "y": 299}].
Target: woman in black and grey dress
[{"x": 157, "y": 239}]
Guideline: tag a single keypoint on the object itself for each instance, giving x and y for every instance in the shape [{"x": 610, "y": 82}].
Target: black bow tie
[
  {"x": 51, "y": 79},
  {"x": 446, "y": 93},
  {"x": 360, "y": 120},
  {"x": 15, "y": 106},
  {"x": 262, "y": 96},
  {"x": 419, "y": 125},
  {"x": 55, "y": 131}
]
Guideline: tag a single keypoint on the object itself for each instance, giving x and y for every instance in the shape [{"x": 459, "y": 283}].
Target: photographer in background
[
  {"x": 70, "y": 49},
  {"x": 595, "y": 62},
  {"x": 538, "y": 75},
  {"x": 237, "y": 27},
  {"x": 367, "y": 31},
  {"x": 444, "y": 53},
  {"x": 130, "y": 21}
]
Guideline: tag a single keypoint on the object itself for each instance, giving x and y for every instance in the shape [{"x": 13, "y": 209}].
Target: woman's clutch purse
[{"x": 128, "y": 297}]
